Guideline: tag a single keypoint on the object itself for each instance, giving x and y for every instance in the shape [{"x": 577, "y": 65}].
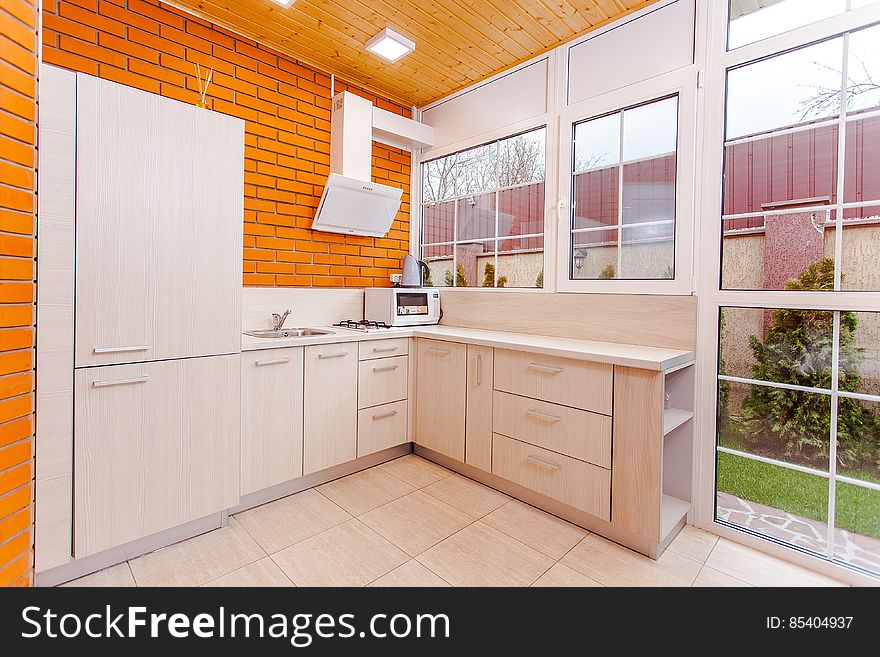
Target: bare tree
[
  {"x": 592, "y": 161},
  {"x": 439, "y": 179},
  {"x": 522, "y": 161},
  {"x": 825, "y": 101}
]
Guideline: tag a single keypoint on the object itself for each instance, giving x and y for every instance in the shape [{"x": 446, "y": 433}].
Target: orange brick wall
[
  {"x": 286, "y": 107},
  {"x": 17, "y": 171}
]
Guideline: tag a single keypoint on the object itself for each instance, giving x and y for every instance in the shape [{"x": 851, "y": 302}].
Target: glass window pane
[
  {"x": 595, "y": 198},
  {"x": 597, "y": 143},
  {"x": 649, "y": 190},
  {"x": 647, "y": 252},
  {"x": 438, "y": 179},
  {"x": 477, "y": 170},
  {"x": 438, "y": 221},
  {"x": 779, "y": 170},
  {"x": 861, "y": 182},
  {"x": 783, "y": 425},
  {"x": 858, "y": 439},
  {"x": 650, "y": 130},
  {"x": 752, "y": 21},
  {"x": 521, "y": 262},
  {"x": 791, "y": 251},
  {"x": 863, "y": 71},
  {"x": 860, "y": 261},
  {"x": 476, "y": 216},
  {"x": 521, "y": 210},
  {"x": 774, "y": 501},
  {"x": 785, "y": 90},
  {"x": 594, "y": 255},
  {"x": 860, "y": 353},
  {"x": 471, "y": 261},
  {"x": 522, "y": 159},
  {"x": 439, "y": 261},
  {"x": 857, "y": 526}
]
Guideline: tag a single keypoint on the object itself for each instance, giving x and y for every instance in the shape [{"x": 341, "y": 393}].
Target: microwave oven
[{"x": 402, "y": 306}]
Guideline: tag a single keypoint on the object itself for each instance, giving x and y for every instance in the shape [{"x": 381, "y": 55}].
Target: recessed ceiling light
[
  {"x": 390, "y": 45},
  {"x": 284, "y": 3}
]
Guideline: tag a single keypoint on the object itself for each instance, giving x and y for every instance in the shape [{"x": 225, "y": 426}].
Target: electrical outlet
[{"x": 396, "y": 278}]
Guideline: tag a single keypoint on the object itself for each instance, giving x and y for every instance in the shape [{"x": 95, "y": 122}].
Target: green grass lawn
[{"x": 798, "y": 493}]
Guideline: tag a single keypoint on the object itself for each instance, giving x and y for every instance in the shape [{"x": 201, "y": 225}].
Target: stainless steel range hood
[{"x": 351, "y": 203}]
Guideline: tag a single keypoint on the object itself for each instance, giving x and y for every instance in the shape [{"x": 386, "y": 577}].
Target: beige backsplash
[{"x": 309, "y": 306}]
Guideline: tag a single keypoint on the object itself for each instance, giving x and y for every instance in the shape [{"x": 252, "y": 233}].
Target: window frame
[{"x": 683, "y": 84}]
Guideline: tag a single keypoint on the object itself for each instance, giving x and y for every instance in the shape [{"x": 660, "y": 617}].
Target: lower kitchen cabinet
[
  {"x": 155, "y": 445},
  {"x": 381, "y": 427},
  {"x": 441, "y": 397},
  {"x": 271, "y": 417},
  {"x": 331, "y": 406},
  {"x": 478, "y": 429}
]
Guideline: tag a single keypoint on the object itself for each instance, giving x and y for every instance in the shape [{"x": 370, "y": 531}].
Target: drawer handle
[
  {"x": 119, "y": 382},
  {"x": 442, "y": 352},
  {"x": 276, "y": 361},
  {"x": 339, "y": 355},
  {"x": 543, "y": 416},
  {"x": 546, "y": 368},
  {"x": 388, "y": 368},
  {"x": 543, "y": 463},
  {"x": 117, "y": 350},
  {"x": 382, "y": 416},
  {"x": 479, "y": 370},
  {"x": 382, "y": 350}
]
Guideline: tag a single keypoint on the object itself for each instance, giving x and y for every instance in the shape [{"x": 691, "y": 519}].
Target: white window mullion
[
  {"x": 832, "y": 445},
  {"x": 617, "y": 273}
]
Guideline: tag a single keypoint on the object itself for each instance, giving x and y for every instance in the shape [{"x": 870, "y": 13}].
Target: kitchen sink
[{"x": 288, "y": 333}]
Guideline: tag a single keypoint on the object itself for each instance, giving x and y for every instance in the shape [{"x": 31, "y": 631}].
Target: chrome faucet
[{"x": 278, "y": 320}]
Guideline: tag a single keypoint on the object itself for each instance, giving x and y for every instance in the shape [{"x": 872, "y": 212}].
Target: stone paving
[{"x": 855, "y": 549}]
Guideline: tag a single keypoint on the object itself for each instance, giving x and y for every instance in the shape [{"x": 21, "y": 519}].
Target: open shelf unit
[
  {"x": 678, "y": 440},
  {"x": 674, "y": 418}
]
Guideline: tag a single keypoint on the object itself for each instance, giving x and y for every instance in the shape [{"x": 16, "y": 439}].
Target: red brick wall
[
  {"x": 17, "y": 171},
  {"x": 286, "y": 107}
]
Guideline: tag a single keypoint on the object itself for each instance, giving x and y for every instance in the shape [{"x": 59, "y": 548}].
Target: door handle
[
  {"x": 389, "y": 368},
  {"x": 276, "y": 361},
  {"x": 382, "y": 350},
  {"x": 117, "y": 350},
  {"x": 339, "y": 355},
  {"x": 119, "y": 382},
  {"x": 543, "y": 416},
  {"x": 545, "y": 368},
  {"x": 443, "y": 352},
  {"x": 543, "y": 463},
  {"x": 382, "y": 416}
]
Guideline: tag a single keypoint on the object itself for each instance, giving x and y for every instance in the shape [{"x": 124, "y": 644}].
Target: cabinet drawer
[
  {"x": 381, "y": 427},
  {"x": 582, "y": 485},
  {"x": 580, "y": 434},
  {"x": 383, "y": 348},
  {"x": 382, "y": 381},
  {"x": 577, "y": 383}
]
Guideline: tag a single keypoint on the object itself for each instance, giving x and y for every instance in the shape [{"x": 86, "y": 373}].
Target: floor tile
[
  {"x": 198, "y": 560},
  {"x": 118, "y": 575},
  {"x": 481, "y": 556},
  {"x": 415, "y": 470},
  {"x": 366, "y": 490},
  {"x": 693, "y": 543},
  {"x": 560, "y": 575},
  {"x": 759, "y": 569},
  {"x": 416, "y": 521},
  {"x": 350, "y": 554},
  {"x": 264, "y": 572},
  {"x": 291, "y": 519},
  {"x": 467, "y": 495},
  {"x": 614, "y": 565},
  {"x": 709, "y": 577},
  {"x": 542, "y": 531},
  {"x": 412, "y": 573}
]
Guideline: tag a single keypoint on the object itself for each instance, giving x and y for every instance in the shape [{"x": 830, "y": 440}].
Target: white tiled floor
[{"x": 410, "y": 522}]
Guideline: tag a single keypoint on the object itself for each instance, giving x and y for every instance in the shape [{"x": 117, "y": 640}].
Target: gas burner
[{"x": 362, "y": 325}]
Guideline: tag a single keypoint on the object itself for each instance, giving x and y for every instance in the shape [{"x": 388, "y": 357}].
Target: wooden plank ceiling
[{"x": 458, "y": 42}]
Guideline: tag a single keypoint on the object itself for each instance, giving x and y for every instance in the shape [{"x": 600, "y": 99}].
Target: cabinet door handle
[
  {"x": 545, "y": 368},
  {"x": 479, "y": 370},
  {"x": 389, "y": 368},
  {"x": 543, "y": 416},
  {"x": 119, "y": 382},
  {"x": 543, "y": 463},
  {"x": 339, "y": 355},
  {"x": 442, "y": 352},
  {"x": 118, "y": 350},
  {"x": 276, "y": 361},
  {"x": 382, "y": 350},
  {"x": 382, "y": 416}
]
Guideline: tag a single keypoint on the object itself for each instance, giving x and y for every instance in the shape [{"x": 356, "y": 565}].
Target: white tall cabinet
[{"x": 156, "y": 219}]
